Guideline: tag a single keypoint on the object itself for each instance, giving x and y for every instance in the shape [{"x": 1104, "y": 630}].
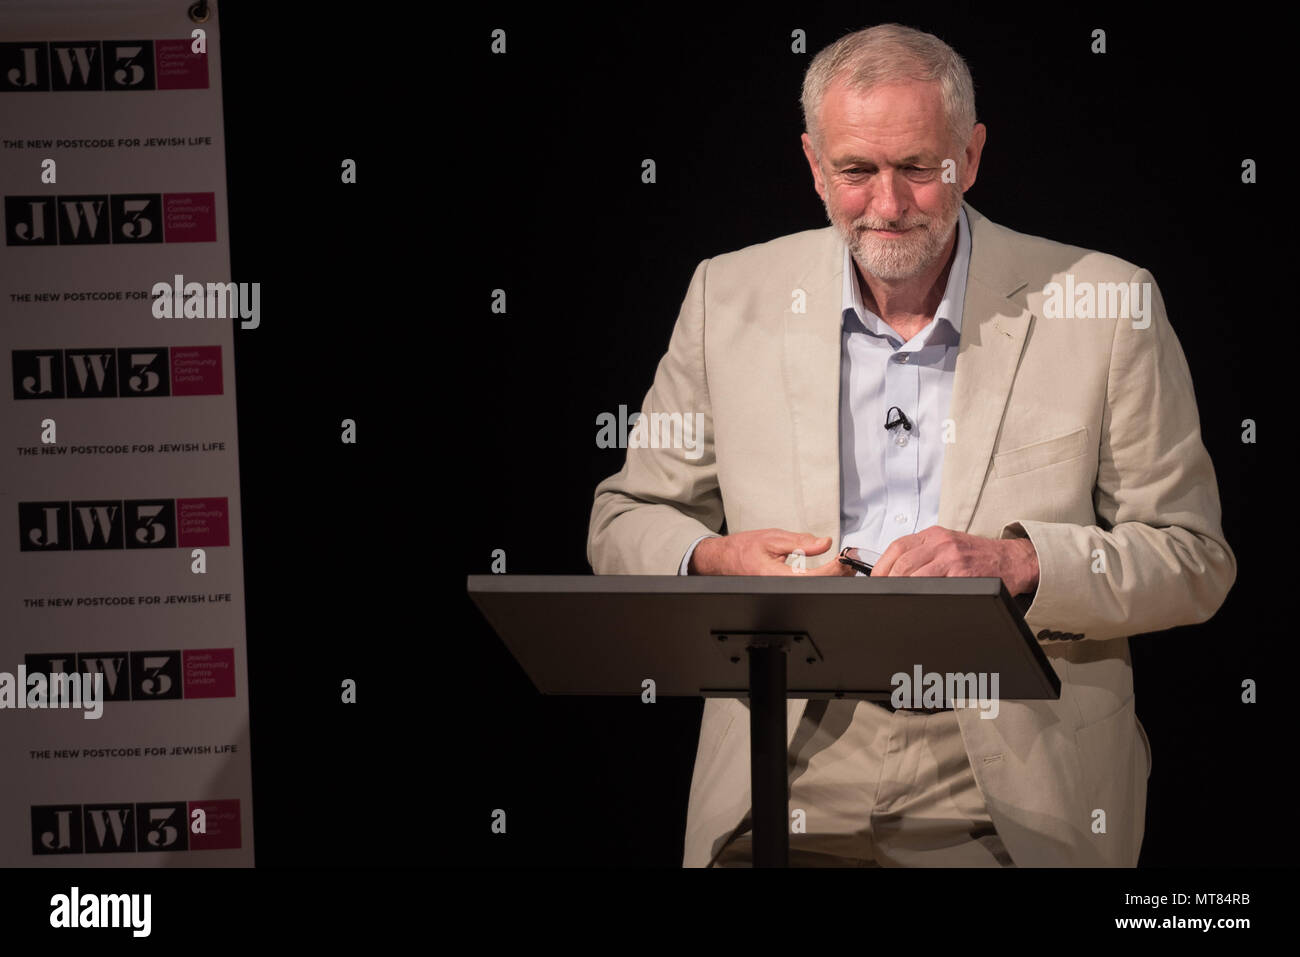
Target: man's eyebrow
[{"x": 863, "y": 161}]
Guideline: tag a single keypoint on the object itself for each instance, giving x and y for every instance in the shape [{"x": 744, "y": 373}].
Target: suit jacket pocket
[
  {"x": 1041, "y": 454},
  {"x": 1105, "y": 747}
]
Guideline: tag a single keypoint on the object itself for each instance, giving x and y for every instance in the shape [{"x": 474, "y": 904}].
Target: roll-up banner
[{"x": 123, "y": 680}]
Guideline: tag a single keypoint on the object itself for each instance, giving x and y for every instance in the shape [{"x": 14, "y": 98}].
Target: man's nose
[{"x": 888, "y": 201}]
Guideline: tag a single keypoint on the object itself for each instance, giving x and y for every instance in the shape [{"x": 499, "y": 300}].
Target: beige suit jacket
[{"x": 1080, "y": 433}]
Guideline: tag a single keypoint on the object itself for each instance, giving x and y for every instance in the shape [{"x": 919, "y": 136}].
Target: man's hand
[
  {"x": 761, "y": 552},
  {"x": 938, "y": 552}
]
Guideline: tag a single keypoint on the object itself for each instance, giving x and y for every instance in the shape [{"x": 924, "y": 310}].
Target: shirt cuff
[{"x": 682, "y": 569}]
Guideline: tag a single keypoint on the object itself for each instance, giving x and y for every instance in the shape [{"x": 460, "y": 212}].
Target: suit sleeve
[
  {"x": 1156, "y": 557},
  {"x": 646, "y": 516}
]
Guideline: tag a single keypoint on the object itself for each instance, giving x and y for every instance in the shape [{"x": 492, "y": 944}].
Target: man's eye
[{"x": 911, "y": 169}]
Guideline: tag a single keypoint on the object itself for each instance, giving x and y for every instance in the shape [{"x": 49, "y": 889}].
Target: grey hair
[{"x": 891, "y": 53}]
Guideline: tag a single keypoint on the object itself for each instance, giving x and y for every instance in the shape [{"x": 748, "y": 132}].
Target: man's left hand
[{"x": 939, "y": 552}]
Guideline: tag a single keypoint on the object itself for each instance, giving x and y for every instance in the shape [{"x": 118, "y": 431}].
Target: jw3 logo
[
  {"x": 64, "y": 66},
  {"x": 113, "y": 827},
  {"x": 154, "y": 675},
  {"x": 105, "y": 373},
  {"x": 103, "y": 218},
  {"x": 123, "y": 523}
]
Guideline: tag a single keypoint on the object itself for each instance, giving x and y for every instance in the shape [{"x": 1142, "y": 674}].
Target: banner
[{"x": 124, "y": 735}]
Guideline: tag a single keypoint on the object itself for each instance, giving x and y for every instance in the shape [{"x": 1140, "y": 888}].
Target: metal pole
[{"x": 768, "y": 754}]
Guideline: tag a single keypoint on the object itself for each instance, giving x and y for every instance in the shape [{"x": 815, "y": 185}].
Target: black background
[{"x": 476, "y": 431}]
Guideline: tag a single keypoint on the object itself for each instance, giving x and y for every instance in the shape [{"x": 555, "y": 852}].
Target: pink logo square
[
  {"x": 178, "y": 67},
  {"x": 222, "y": 825},
  {"x": 209, "y": 672},
  {"x": 196, "y": 370},
  {"x": 202, "y": 522},
  {"x": 189, "y": 218}
]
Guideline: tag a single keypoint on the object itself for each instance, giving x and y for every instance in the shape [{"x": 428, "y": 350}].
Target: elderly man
[{"x": 964, "y": 400}]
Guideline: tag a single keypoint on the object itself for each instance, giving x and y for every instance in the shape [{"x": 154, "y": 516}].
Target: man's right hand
[{"x": 761, "y": 552}]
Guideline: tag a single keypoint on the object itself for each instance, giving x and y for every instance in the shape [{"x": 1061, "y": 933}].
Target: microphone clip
[{"x": 902, "y": 419}]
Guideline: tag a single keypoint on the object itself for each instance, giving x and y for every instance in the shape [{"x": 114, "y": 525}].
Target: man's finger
[
  {"x": 896, "y": 549},
  {"x": 909, "y": 564},
  {"x": 816, "y": 545},
  {"x": 784, "y": 543},
  {"x": 931, "y": 569},
  {"x": 831, "y": 569}
]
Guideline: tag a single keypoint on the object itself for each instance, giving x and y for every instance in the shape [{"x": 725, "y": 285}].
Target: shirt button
[
  {"x": 901, "y": 440},
  {"x": 904, "y": 357},
  {"x": 900, "y": 519}
]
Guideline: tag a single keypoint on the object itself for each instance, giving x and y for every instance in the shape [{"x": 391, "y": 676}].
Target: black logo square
[
  {"x": 56, "y": 829},
  {"x": 96, "y": 524},
  {"x": 31, "y": 221},
  {"x": 44, "y": 527},
  {"x": 162, "y": 826},
  {"x": 24, "y": 68},
  {"x": 144, "y": 371},
  {"x": 155, "y": 675},
  {"x": 38, "y": 373},
  {"x": 91, "y": 373},
  {"x": 109, "y": 828},
  {"x": 115, "y": 666},
  {"x": 129, "y": 65},
  {"x": 150, "y": 523},
  {"x": 137, "y": 217},
  {"x": 49, "y": 663},
  {"x": 83, "y": 220},
  {"x": 76, "y": 65}
]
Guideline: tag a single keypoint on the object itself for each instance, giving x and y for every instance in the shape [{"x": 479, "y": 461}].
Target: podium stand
[{"x": 761, "y": 638}]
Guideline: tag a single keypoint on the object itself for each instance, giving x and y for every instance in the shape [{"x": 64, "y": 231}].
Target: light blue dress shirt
[{"x": 889, "y": 480}]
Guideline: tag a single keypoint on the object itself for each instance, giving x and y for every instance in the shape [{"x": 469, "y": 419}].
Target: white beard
[{"x": 905, "y": 256}]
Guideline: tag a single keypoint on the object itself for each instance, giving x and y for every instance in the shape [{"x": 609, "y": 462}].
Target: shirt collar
[{"x": 857, "y": 317}]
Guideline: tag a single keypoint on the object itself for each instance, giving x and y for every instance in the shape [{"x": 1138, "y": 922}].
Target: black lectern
[{"x": 765, "y": 638}]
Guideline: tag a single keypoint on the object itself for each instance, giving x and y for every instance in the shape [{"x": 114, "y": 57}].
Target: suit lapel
[
  {"x": 993, "y": 332},
  {"x": 992, "y": 337},
  {"x": 810, "y": 366}
]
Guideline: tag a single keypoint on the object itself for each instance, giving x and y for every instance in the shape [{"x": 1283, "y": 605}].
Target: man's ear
[
  {"x": 974, "y": 150},
  {"x": 818, "y": 183}
]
